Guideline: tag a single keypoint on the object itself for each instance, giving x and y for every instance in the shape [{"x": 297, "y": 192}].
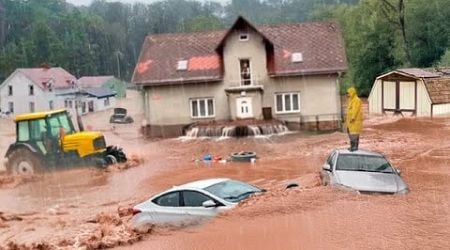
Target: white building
[{"x": 33, "y": 90}]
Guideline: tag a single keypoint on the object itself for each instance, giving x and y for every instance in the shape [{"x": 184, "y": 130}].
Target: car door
[
  {"x": 193, "y": 205},
  {"x": 168, "y": 208}
]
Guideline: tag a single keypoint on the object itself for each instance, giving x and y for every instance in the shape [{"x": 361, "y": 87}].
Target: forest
[{"x": 105, "y": 38}]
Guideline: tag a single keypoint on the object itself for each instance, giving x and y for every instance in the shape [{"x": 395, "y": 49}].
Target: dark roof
[
  {"x": 98, "y": 92},
  {"x": 58, "y": 77},
  {"x": 439, "y": 89},
  {"x": 320, "y": 43}
]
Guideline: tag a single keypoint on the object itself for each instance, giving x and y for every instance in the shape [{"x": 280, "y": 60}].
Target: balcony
[{"x": 237, "y": 86}]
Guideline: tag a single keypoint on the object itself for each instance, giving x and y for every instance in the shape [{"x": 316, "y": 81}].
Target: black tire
[
  {"x": 118, "y": 153},
  {"x": 24, "y": 162}
]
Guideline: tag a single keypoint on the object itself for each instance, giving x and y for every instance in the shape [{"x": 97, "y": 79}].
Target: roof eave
[
  {"x": 308, "y": 72},
  {"x": 178, "y": 81}
]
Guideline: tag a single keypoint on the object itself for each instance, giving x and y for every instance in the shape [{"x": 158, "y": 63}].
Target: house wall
[
  {"x": 253, "y": 49},
  {"x": 99, "y": 103},
  {"x": 374, "y": 99},
  {"x": 21, "y": 97},
  {"x": 441, "y": 110},
  {"x": 423, "y": 100},
  {"x": 170, "y": 105}
]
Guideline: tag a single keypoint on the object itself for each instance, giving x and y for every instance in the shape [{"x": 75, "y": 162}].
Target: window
[
  {"x": 11, "y": 107},
  {"x": 297, "y": 57},
  {"x": 168, "y": 200},
  {"x": 201, "y": 108},
  {"x": 287, "y": 102},
  {"x": 30, "y": 90},
  {"x": 245, "y": 71},
  {"x": 106, "y": 102},
  {"x": 50, "y": 105},
  {"x": 194, "y": 199},
  {"x": 38, "y": 129},
  {"x": 182, "y": 65},
  {"x": 23, "y": 131},
  {"x": 243, "y": 37},
  {"x": 10, "y": 90},
  {"x": 31, "y": 106}
]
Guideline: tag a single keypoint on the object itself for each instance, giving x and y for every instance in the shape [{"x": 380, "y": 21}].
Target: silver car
[
  {"x": 191, "y": 202},
  {"x": 363, "y": 171}
]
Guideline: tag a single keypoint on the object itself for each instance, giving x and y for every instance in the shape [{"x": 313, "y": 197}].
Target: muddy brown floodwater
[{"x": 87, "y": 208}]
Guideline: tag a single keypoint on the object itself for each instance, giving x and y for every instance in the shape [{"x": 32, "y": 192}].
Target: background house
[
  {"x": 286, "y": 72},
  {"x": 411, "y": 92},
  {"x": 109, "y": 82},
  {"x": 35, "y": 89}
]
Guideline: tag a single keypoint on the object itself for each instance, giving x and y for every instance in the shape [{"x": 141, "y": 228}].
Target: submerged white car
[
  {"x": 363, "y": 171},
  {"x": 191, "y": 202}
]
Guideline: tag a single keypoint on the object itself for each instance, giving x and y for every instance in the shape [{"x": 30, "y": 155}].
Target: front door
[{"x": 244, "y": 107}]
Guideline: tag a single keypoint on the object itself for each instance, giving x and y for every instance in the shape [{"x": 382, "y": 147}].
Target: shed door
[
  {"x": 407, "y": 96},
  {"x": 389, "y": 95}
]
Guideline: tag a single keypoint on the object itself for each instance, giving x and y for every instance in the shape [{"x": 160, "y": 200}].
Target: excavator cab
[{"x": 48, "y": 140}]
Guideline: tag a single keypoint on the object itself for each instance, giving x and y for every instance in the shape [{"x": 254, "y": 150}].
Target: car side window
[
  {"x": 168, "y": 200},
  {"x": 194, "y": 198}
]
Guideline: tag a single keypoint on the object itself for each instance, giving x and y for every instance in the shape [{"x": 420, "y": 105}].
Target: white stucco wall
[{"x": 21, "y": 98}]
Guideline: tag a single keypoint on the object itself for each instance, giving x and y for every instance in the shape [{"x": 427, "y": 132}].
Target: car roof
[
  {"x": 201, "y": 184},
  {"x": 359, "y": 152}
]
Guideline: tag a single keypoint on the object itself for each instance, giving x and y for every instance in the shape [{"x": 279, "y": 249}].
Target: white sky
[{"x": 87, "y": 2}]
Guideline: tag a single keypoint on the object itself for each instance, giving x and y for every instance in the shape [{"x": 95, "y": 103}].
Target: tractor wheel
[
  {"x": 118, "y": 154},
  {"x": 110, "y": 159},
  {"x": 24, "y": 162}
]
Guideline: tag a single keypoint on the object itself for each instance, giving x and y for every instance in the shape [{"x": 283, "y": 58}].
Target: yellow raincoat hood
[{"x": 353, "y": 118}]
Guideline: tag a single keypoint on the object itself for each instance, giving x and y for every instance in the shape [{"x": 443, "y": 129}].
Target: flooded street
[{"x": 88, "y": 208}]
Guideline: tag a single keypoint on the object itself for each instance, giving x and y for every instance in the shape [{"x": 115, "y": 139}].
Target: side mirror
[
  {"x": 209, "y": 203},
  {"x": 326, "y": 167}
]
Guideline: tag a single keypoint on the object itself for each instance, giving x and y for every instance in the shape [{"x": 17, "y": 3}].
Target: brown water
[{"x": 87, "y": 207}]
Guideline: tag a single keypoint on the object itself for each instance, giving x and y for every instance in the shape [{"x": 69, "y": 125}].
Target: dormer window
[
  {"x": 297, "y": 57},
  {"x": 182, "y": 65},
  {"x": 243, "y": 37}
]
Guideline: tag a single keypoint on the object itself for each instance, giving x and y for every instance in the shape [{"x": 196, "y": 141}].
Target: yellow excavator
[{"x": 48, "y": 140}]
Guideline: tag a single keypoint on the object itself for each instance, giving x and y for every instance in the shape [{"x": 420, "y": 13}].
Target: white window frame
[
  {"x": 241, "y": 80},
  {"x": 205, "y": 99},
  {"x": 11, "y": 107},
  {"x": 10, "y": 90},
  {"x": 291, "y": 94},
  {"x": 32, "y": 107},
  {"x": 31, "y": 90}
]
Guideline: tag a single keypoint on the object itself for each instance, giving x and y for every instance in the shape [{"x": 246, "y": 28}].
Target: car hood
[{"x": 370, "y": 181}]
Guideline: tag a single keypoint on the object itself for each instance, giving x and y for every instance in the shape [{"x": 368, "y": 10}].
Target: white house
[
  {"x": 34, "y": 89},
  {"x": 412, "y": 92},
  {"x": 89, "y": 99}
]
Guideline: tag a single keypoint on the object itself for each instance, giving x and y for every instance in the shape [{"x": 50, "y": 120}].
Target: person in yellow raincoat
[{"x": 353, "y": 119}]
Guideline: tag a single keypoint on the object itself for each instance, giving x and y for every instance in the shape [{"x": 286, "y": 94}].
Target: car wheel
[{"x": 24, "y": 162}]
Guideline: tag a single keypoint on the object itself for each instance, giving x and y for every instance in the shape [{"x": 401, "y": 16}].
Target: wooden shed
[{"x": 412, "y": 92}]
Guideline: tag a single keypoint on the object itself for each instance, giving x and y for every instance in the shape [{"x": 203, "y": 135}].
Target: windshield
[
  {"x": 363, "y": 163},
  {"x": 232, "y": 191},
  {"x": 60, "y": 120}
]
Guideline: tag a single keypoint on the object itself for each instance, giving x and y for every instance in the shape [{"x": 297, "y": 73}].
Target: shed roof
[
  {"x": 439, "y": 89},
  {"x": 417, "y": 72},
  {"x": 320, "y": 43}
]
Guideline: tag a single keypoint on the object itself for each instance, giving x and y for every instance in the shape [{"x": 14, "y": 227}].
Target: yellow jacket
[{"x": 353, "y": 119}]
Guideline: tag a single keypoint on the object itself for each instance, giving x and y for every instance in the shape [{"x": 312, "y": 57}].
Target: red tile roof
[
  {"x": 93, "y": 81},
  {"x": 320, "y": 43},
  {"x": 59, "y": 77}
]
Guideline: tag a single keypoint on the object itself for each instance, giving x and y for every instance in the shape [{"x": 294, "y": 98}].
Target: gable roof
[
  {"x": 94, "y": 81},
  {"x": 320, "y": 43},
  {"x": 58, "y": 77}
]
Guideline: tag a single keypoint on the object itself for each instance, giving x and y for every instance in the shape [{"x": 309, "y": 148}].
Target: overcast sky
[{"x": 87, "y": 2}]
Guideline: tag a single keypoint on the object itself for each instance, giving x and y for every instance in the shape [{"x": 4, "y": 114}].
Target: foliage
[{"x": 105, "y": 38}]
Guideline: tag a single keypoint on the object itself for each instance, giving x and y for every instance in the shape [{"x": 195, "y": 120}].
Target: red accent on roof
[
  {"x": 143, "y": 66},
  {"x": 320, "y": 43},
  {"x": 286, "y": 53},
  {"x": 204, "y": 62}
]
